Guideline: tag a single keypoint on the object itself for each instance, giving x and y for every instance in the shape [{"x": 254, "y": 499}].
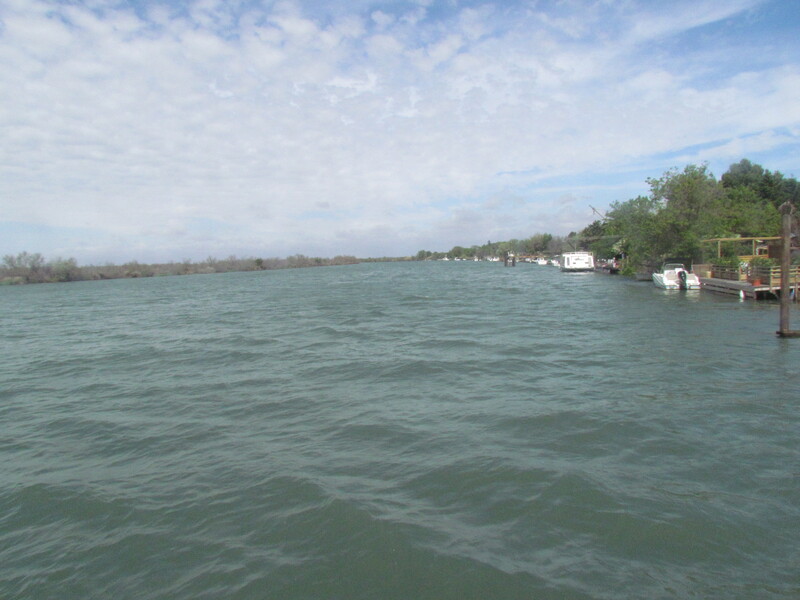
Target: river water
[{"x": 397, "y": 430}]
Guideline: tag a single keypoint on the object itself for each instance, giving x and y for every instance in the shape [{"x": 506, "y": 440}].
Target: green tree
[
  {"x": 691, "y": 203},
  {"x": 597, "y": 237},
  {"x": 595, "y": 229},
  {"x": 753, "y": 196},
  {"x": 536, "y": 244},
  {"x": 456, "y": 252},
  {"x": 635, "y": 222},
  {"x": 773, "y": 187},
  {"x": 29, "y": 267},
  {"x": 556, "y": 245},
  {"x": 744, "y": 173},
  {"x": 64, "y": 270},
  {"x": 749, "y": 215}
]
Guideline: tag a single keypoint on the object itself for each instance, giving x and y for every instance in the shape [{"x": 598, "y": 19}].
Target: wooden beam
[{"x": 786, "y": 252}]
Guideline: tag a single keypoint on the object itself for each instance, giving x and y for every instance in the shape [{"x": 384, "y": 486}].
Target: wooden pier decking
[
  {"x": 767, "y": 284},
  {"x": 743, "y": 289}
]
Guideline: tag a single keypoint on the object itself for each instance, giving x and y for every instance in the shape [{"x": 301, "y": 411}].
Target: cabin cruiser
[
  {"x": 674, "y": 276},
  {"x": 577, "y": 261}
]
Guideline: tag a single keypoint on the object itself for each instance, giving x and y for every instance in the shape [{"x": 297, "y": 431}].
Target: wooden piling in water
[{"x": 786, "y": 259}]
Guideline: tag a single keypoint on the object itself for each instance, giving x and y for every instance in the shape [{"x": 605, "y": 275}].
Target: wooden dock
[{"x": 743, "y": 289}]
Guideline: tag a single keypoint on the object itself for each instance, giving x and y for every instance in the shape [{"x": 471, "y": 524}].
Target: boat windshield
[{"x": 673, "y": 266}]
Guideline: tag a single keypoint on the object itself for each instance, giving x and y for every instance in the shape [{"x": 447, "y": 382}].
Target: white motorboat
[{"x": 674, "y": 276}]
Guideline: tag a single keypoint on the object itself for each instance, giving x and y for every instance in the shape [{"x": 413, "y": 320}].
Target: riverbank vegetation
[
  {"x": 540, "y": 243},
  {"x": 687, "y": 206},
  {"x": 33, "y": 268},
  {"x": 684, "y": 207}
]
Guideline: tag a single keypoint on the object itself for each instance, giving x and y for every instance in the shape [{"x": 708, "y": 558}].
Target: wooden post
[{"x": 786, "y": 254}]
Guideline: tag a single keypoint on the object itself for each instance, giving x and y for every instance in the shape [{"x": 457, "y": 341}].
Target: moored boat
[
  {"x": 577, "y": 261},
  {"x": 607, "y": 266},
  {"x": 674, "y": 276}
]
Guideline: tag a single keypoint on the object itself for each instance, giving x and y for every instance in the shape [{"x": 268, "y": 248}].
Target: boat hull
[{"x": 665, "y": 283}]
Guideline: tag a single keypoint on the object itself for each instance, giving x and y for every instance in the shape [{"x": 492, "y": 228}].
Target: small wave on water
[{"x": 421, "y": 430}]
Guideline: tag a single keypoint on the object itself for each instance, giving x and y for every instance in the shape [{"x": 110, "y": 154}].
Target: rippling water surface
[{"x": 400, "y": 430}]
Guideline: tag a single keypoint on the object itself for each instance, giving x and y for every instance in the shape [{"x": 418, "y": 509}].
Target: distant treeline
[
  {"x": 33, "y": 268},
  {"x": 537, "y": 244}
]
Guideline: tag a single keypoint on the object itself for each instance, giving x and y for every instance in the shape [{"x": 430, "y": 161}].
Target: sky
[{"x": 164, "y": 131}]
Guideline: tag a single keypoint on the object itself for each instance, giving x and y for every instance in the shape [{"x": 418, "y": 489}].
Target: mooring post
[{"x": 786, "y": 210}]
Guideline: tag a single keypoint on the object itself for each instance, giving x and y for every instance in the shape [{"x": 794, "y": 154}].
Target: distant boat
[
  {"x": 575, "y": 262},
  {"x": 674, "y": 276},
  {"x": 607, "y": 266},
  {"x": 541, "y": 261}
]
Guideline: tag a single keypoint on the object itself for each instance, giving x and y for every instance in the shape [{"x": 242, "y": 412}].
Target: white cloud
[
  {"x": 367, "y": 132},
  {"x": 382, "y": 19},
  {"x": 435, "y": 54},
  {"x": 678, "y": 17}
]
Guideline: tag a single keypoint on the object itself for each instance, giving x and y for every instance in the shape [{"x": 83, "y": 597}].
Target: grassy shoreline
[{"x": 32, "y": 268}]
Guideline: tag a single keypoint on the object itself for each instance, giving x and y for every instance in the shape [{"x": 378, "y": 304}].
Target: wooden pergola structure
[{"x": 755, "y": 241}]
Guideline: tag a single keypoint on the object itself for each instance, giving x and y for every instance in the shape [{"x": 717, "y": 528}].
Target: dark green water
[{"x": 425, "y": 430}]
